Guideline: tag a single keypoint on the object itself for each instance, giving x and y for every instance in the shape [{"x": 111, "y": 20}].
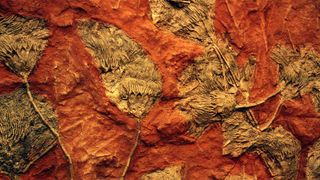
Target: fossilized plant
[
  {"x": 24, "y": 138},
  {"x": 313, "y": 162},
  {"x": 22, "y": 41},
  {"x": 131, "y": 79}
]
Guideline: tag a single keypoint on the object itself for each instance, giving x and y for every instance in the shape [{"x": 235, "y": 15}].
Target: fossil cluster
[
  {"x": 28, "y": 125},
  {"x": 210, "y": 91},
  {"x": 131, "y": 79},
  {"x": 209, "y": 86}
]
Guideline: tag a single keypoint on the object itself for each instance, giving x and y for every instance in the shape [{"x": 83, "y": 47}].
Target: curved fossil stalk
[
  {"x": 136, "y": 142},
  {"x": 53, "y": 131}
]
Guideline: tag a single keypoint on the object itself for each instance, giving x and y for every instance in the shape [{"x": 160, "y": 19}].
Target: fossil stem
[
  {"x": 137, "y": 139},
  {"x": 53, "y": 131},
  {"x": 249, "y": 105},
  {"x": 269, "y": 122},
  {"x": 222, "y": 57}
]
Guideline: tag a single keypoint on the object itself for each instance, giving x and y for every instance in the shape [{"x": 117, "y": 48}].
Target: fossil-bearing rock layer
[
  {"x": 230, "y": 88},
  {"x": 23, "y": 136}
]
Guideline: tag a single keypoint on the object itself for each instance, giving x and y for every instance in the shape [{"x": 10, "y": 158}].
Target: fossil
[
  {"x": 131, "y": 79},
  {"x": 313, "y": 162},
  {"x": 23, "y": 136},
  {"x": 22, "y": 42},
  {"x": 280, "y": 151},
  {"x": 168, "y": 173},
  {"x": 299, "y": 70},
  {"x": 299, "y": 75},
  {"x": 278, "y": 148},
  {"x": 239, "y": 135}
]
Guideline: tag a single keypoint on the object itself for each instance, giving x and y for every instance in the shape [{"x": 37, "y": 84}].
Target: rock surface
[{"x": 99, "y": 137}]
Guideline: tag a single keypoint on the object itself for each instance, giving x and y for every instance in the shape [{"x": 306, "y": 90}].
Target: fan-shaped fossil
[
  {"x": 278, "y": 148},
  {"x": 22, "y": 41},
  {"x": 280, "y": 151},
  {"x": 130, "y": 77},
  {"x": 239, "y": 135},
  {"x": 23, "y": 136},
  {"x": 299, "y": 70}
]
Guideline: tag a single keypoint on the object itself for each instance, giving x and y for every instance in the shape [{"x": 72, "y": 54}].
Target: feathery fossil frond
[
  {"x": 130, "y": 77},
  {"x": 280, "y": 151},
  {"x": 23, "y": 136},
  {"x": 22, "y": 41},
  {"x": 299, "y": 69}
]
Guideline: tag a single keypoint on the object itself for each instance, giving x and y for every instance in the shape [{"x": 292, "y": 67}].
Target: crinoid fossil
[
  {"x": 208, "y": 89},
  {"x": 22, "y": 41},
  {"x": 131, "y": 79},
  {"x": 278, "y": 148},
  {"x": 299, "y": 71},
  {"x": 209, "y": 85},
  {"x": 313, "y": 162},
  {"x": 185, "y": 18},
  {"x": 299, "y": 74},
  {"x": 280, "y": 151},
  {"x": 23, "y": 136}
]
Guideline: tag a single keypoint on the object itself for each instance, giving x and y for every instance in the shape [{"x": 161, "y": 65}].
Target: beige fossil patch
[
  {"x": 169, "y": 173},
  {"x": 131, "y": 79}
]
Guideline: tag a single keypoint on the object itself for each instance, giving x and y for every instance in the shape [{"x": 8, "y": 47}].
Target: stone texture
[{"x": 99, "y": 136}]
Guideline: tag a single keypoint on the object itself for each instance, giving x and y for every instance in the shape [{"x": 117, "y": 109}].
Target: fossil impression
[
  {"x": 22, "y": 41},
  {"x": 169, "y": 173},
  {"x": 278, "y": 148},
  {"x": 208, "y": 89},
  {"x": 313, "y": 164},
  {"x": 299, "y": 72},
  {"x": 131, "y": 79},
  {"x": 209, "y": 85},
  {"x": 23, "y": 136}
]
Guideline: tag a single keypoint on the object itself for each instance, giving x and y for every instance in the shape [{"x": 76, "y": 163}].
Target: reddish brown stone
[{"x": 99, "y": 137}]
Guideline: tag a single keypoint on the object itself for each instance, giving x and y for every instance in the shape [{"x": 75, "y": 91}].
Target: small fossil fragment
[
  {"x": 23, "y": 136},
  {"x": 130, "y": 77},
  {"x": 169, "y": 173},
  {"x": 238, "y": 134},
  {"x": 313, "y": 162}
]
